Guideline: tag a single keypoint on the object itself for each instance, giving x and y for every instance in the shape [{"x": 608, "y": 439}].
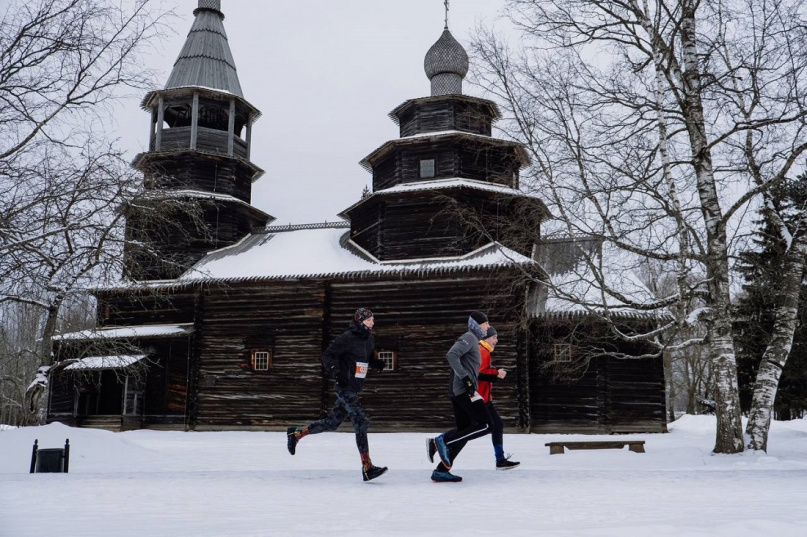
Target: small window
[
  {"x": 427, "y": 169},
  {"x": 261, "y": 360},
  {"x": 390, "y": 359},
  {"x": 563, "y": 352}
]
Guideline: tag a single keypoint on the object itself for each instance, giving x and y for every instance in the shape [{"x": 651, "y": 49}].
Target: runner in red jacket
[{"x": 487, "y": 376}]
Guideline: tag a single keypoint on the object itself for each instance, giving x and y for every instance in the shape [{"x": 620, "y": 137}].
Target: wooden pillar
[
  {"x": 231, "y": 129},
  {"x": 158, "y": 140},
  {"x": 195, "y": 120},
  {"x": 249, "y": 135},
  {"x": 151, "y": 130}
]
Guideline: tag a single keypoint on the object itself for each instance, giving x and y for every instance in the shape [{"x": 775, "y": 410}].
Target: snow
[
  {"x": 453, "y": 182},
  {"x": 106, "y": 362},
  {"x": 306, "y": 253},
  {"x": 219, "y": 484},
  {"x": 153, "y": 330}
]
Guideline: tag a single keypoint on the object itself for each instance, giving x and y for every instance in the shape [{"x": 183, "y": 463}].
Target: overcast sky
[{"x": 325, "y": 74}]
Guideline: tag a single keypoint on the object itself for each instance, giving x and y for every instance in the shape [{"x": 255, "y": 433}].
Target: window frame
[
  {"x": 433, "y": 170},
  {"x": 562, "y": 353},
  {"x": 390, "y": 362},
  {"x": 254, "y": 359}
]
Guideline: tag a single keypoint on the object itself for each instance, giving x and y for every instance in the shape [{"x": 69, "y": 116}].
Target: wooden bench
[{"x": 556, "y": 448}]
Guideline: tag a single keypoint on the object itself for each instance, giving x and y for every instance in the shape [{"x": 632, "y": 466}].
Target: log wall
[{"x": 445, "y": 115}]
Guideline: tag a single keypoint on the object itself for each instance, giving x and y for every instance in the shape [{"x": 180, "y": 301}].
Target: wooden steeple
[
  {"x": 199, "y": 151},
  {"x": 444, "y": 159}
]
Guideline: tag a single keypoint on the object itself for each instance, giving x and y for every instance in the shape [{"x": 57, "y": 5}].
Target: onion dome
[
  {"x": 205, "y": 59},
  {"x": 446, "y": 64}
]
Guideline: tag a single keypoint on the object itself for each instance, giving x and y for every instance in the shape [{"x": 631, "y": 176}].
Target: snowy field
[{"x": 217, "y": 484}]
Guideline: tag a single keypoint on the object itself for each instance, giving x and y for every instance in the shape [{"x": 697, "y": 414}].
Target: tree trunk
[
  {"x": 36, "y": 396},
  {"x": 778, "y": 350},
  {"x": 727, "y": 402}
]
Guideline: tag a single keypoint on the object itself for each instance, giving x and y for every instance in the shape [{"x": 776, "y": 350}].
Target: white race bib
[{"x": 361, "y": 369}]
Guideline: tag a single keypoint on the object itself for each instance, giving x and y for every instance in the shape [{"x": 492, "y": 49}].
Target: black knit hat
[
  {"x": 491, "y": 332},
  {"x": 362, "y": 314},
  {"x": 479, "y": 317}
]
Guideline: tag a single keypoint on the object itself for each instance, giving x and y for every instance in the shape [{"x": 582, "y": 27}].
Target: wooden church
[{"x": 224, "y": 327}]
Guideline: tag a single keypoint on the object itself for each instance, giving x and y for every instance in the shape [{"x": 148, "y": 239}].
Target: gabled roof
[
  {"x": 205, "y": 60},
  {"x": 305, "y": 252}
]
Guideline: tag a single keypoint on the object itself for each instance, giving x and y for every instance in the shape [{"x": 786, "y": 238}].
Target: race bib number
[{"x": 361, "y": 369}]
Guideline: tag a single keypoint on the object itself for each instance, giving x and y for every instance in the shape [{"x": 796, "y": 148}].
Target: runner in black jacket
[{"x": 347, "y": 360}]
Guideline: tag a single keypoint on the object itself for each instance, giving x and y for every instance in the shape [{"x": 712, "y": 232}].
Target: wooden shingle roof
[{"x": 205, "y": 59}]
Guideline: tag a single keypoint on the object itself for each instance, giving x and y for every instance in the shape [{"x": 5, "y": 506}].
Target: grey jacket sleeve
[{"x": 462, "y": 346}]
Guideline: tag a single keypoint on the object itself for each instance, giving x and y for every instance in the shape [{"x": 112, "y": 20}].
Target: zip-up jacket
[
  {"x": 464, "y": 359},
  {"x": 487, "y": 373},
  {"x": 349, "y": 357}
]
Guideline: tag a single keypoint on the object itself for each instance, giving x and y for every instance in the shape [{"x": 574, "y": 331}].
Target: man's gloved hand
[{"x": 469, "y": 386}]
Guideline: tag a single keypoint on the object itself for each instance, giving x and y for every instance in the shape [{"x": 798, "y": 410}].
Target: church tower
[
  {"x": 444, "y": 165},
  {"x": 198, "y": 173}
]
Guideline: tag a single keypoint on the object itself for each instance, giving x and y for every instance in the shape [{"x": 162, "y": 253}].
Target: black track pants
[{"x": 472, "y": 420}]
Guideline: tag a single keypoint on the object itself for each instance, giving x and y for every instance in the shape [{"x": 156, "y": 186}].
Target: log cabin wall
[
  {"x": 445, "y": 114},
  {"x": 418, "y": 226},
  {"x": 282, "y": 318},
  {"x": 606, "y": 395},
  {"x": 483, "y": 162},
  {"x": 422, "y": 224},
  {"x": 453, "y": 158},
  {"x": 210, "y": 174},
  {"x": 176, "y": 246},
  {"x": 169, "y": 306},
  {"x": 420, "y": 320}
]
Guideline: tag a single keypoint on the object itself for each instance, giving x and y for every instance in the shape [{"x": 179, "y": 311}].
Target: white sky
[
  {"x": 325, "y": 74},
  {"x": 245, "y": 484}
]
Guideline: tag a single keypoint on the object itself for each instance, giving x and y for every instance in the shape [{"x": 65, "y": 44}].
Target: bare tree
[
  {"x": 64, "y": 187},
  {"x": 652, "y": 125}
]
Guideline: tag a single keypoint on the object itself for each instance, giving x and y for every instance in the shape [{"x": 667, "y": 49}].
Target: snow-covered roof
[
  {"x": 204, "y": 195},
  {"x": 453, "y": 182},
  {"x": 128, "y": 332},
  {"x": 324, "y": 252},
  {"x": 578, "y": 289},
  {"x": 105, "y": 362}
]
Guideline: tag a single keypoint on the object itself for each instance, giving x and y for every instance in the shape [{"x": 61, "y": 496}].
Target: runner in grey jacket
[
  {"x": 470, "y": 412},
  {"x": 464, "y": 359}
]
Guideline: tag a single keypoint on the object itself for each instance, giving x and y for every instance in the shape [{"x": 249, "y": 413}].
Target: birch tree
[{"x": 653, "y": 124}]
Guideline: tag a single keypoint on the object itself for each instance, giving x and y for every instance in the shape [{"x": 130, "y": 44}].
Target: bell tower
[
  {"x": 445, "y": 162},
  {"x": 198, "y": 173}
]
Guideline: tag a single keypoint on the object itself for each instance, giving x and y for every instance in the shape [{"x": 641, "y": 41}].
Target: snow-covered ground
[{"x": 217, "y": 484}]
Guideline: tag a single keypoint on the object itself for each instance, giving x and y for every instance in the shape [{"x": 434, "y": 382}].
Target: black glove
[
  {"x": 378, "y": 365},
  {"x": 469, "y": 386}
]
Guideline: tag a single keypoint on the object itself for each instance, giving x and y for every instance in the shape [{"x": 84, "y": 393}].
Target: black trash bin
[{"x": 51, "y": 460}]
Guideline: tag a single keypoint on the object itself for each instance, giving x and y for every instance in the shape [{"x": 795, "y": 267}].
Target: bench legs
[
  {"x": 636, "y": 448},
  {"x": 556, "y": 450}
]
